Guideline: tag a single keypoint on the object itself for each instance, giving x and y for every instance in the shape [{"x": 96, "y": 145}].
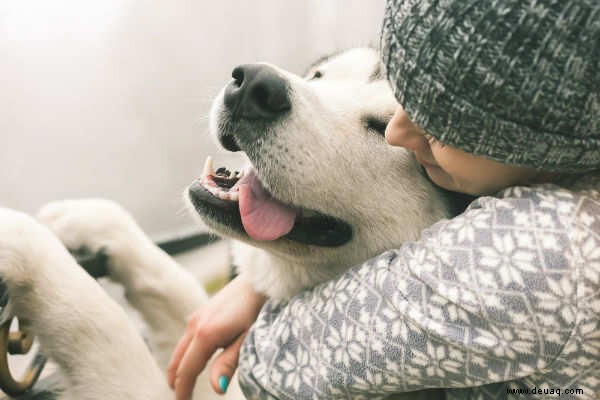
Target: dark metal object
[
  {"x": 17, "y": 343},
  {"x": 20, "y": 343},
  {"x": 48, "y": 388}
]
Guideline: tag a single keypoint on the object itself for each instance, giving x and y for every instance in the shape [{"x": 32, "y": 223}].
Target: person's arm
[{"x": 478, "y": 299}]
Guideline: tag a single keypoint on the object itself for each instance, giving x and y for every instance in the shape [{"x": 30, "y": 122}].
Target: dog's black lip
[
  {"x": 321, "y": 230},
  {"x": 229, "y": 142}
]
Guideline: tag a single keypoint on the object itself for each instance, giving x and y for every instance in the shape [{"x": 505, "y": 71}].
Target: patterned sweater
[{"x": 505, "y": 296}]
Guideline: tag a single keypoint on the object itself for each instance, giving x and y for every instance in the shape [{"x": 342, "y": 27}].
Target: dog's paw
[
  {"x": 26, "y": 250},
  {"x": 92, "y": 225}
]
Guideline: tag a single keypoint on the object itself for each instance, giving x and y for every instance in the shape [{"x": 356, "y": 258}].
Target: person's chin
[{"x": 439, "y": 177}]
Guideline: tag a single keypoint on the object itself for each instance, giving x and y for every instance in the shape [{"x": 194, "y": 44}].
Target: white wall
[{"x": 109, "y": 98}]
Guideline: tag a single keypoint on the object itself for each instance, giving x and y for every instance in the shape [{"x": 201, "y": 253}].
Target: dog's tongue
[{"x": 263, "y": 217}]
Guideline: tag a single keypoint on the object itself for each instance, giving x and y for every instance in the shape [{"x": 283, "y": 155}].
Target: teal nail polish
[{"x": 223, "y": 383}]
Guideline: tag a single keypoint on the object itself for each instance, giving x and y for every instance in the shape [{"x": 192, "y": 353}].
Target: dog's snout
[{"x": 257, "y": 92}]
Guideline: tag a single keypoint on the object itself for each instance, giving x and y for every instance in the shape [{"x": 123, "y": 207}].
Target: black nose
[{"x": 257, "y": 92}]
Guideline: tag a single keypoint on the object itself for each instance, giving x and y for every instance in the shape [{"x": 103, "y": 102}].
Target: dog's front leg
[
  {"x": 89, "y": 337},
  {"x": 155, "y": 285}
]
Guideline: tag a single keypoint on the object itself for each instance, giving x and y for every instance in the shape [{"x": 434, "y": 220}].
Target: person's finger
[
  {"x": 180, "y": 349},
  {"x": 176, "y": 357},
  {"x": 193, "y": 362},
  {"x": 225, "y": 364}
]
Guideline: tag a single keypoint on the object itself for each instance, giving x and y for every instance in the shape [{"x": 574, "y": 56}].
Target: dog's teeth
[{"x": 209, "y": 168}]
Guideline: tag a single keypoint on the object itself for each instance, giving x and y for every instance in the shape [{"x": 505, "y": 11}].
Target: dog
[{"x": 323, "y": 192}]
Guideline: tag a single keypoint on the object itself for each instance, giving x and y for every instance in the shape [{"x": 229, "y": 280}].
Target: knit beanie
[{"x": 516, "y": 81}]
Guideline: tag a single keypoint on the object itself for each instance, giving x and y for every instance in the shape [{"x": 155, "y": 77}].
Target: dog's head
[{"x": 324, "y": 187}]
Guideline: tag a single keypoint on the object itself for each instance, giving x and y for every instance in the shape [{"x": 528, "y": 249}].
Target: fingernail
[{"x": 223, "y": 383}]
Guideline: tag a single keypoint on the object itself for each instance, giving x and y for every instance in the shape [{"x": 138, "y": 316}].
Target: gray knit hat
[{"x": 514, "y": 81}]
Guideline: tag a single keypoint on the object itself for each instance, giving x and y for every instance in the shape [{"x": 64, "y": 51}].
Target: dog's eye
[
  {"x": 316, "y": 75},
  {"x": 376, "y": 124}
]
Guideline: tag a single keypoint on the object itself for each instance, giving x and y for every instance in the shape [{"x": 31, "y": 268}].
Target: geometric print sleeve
[{"x": 487, "y": 297}]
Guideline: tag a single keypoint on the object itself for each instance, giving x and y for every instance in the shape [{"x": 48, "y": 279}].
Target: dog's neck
[{"x": 271, "y": 273}]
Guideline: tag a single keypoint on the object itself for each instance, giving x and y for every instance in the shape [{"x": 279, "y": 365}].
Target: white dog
[{"x": 324, "y": 192}]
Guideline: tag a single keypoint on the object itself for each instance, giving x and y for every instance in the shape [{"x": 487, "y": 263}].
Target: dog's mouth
[{"x": 240, "y": 201}]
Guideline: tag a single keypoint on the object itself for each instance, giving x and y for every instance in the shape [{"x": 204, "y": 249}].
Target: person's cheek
[
  {"x": 488, "y": 179},
  {"x": 461, "y": 175}
]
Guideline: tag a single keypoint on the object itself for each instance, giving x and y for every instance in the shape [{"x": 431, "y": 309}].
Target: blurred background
[{"x": 109, "y": 98}]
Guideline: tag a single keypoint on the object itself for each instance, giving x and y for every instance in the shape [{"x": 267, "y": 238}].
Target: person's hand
[{"x": 221, "y": 323}]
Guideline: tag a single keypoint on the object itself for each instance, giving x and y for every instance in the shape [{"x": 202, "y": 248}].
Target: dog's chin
[{"x": 217, "y": 205}]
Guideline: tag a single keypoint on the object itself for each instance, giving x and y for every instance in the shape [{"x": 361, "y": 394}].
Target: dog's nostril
[{"x": 238, "y": 75}]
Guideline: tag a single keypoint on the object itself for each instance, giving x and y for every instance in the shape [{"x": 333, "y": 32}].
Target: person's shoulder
[
  {"x": 530, "y": 197},
  {"x": 539, "y": 193},
  {"x": 578, "y": 202},
  {"x": 587, "y": 211},
  {"x": 548, "y": 207}
]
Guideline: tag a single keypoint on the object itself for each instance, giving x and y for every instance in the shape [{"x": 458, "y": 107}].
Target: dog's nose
[{"x": 257, "y": 92}]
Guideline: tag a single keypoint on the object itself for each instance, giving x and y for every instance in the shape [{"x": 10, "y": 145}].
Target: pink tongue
[{"x": 263, "y": 217}]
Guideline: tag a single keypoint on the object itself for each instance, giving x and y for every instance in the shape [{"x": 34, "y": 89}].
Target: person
[{"x": 500, "y": 99}]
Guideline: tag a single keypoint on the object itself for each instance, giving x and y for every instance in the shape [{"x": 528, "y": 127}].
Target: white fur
[
  {"x": 333, "y": 165},
  {"x": 86, "y": 333},
  {"x": 97, "y": 349}
]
